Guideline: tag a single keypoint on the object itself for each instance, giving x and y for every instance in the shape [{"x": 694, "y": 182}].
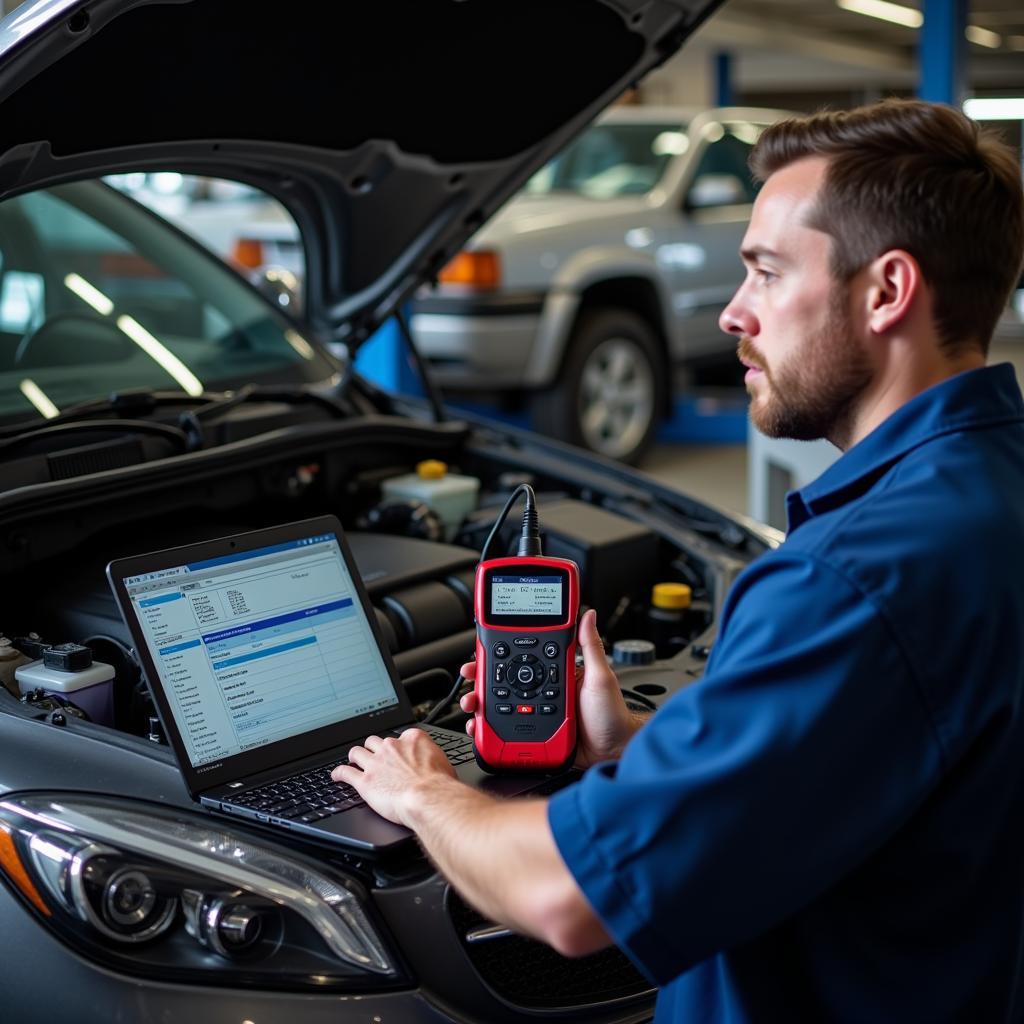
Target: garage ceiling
[{"x": 840, "y": 45}]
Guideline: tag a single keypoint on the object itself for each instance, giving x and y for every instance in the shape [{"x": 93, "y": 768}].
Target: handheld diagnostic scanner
[{"x": 526, "y": 609}]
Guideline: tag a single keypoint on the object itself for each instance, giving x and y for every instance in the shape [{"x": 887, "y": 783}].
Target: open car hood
[{"x": 390, "y": 129}]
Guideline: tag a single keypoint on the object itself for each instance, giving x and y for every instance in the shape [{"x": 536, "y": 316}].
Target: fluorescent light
[
  {"x": 299, "y": 343},
  {"x": 89, "y": 294},
  {"x": 896, "y": 13},
  {"x": 159, "y": 353},
  {"x": 995, "y": 109},
  {"x": 35, "y": 394},
  {"x": 983, "y": 37}
]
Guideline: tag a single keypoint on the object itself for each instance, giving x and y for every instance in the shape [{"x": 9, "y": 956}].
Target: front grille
[{"x": 530, "y": 974}]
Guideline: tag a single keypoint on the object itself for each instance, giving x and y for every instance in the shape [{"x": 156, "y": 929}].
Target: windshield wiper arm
[
  {"x": 183, "y": 438},
  {"x": 141, "y": 402}
]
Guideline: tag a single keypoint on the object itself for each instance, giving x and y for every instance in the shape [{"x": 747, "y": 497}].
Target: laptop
[{"x": 266, "y": 663}]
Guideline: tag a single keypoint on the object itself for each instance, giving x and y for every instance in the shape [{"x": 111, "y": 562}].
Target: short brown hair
[{"x": 905, "y": 174}]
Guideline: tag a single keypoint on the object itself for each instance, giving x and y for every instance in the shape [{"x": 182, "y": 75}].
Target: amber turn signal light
[
  {"x": 248, "y": 253},
  {"x": 473, "y": 268}
]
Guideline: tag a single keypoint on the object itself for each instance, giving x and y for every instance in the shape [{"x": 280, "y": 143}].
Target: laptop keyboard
[{"x": 311, "y": 795}]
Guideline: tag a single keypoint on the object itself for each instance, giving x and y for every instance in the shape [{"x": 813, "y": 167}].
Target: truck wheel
[{"x": 608, "y": 395}]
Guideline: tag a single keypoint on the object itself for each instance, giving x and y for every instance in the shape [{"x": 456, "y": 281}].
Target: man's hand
[
  {"x": 387, "y": 772},
  {"x": 605, "y": 723}
]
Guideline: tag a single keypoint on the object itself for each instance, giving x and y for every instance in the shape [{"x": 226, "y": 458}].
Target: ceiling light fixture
[
  {"x": 885, "y": 11},
  {"x": 983, "y": 37},
  {"x": 995, "y": 108},
  {"x": 910, "y": 17}
]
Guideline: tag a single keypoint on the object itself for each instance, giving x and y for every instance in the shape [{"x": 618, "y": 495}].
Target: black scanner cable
[
  {"x": 529, "y": 547},
  {"x": 529, "y": 539}
]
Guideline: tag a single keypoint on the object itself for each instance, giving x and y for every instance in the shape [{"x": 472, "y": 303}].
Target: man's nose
[{"x": 737, "y": 318}]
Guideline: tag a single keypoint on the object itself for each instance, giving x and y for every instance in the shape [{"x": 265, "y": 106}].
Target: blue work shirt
[{"x": 829, "y": 826}]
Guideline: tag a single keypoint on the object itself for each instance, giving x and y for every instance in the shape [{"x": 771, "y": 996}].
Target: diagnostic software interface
[{"x": 256, "y": 647}]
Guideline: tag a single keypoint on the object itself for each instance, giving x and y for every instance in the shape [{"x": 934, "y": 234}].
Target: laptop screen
[{"x": 260, "y": 646}]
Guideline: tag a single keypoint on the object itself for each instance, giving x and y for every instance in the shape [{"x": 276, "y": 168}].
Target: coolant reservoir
[{"x": 451, "y": 495}]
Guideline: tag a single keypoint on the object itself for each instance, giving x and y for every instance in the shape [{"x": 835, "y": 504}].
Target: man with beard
[{"x": 830, "y": 824}]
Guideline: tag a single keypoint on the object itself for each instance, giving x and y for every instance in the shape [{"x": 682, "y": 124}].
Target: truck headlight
[{"x": 146, "y": 888}]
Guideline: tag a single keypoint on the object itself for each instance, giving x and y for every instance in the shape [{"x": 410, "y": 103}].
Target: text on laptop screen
[{"x": 257, "y": 647}]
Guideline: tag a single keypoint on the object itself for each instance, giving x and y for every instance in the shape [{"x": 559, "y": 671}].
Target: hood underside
[{"x": 391, "y": 130}]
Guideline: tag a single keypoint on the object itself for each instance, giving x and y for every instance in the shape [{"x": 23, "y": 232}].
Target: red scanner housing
[{"x": 526, "y": 664}]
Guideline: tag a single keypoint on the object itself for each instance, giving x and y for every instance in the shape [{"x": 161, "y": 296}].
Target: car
[
  {"x": 150, "y": 397},
  {"x": 603, "y": 277}
]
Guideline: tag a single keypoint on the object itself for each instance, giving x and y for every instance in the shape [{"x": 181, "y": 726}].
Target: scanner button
[
  {"x": 525, "y": 641},
  {"x": 551, "y": 693},
  {"x": 552, "y": 674},
  {"x": 525, "y": 674},
  {"x": 499, "y": 672},
  {"x": 524, "y": 709},
  {"x": 503, "y": 709},
  {"x": 547, "y": 709},
  {"x": 500, "y": 691},
  {"x": 551, "y": 649},
  {"x": 500, "y": 649}
]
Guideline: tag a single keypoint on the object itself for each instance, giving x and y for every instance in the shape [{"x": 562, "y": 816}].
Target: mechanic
[{"x": 830, "y": 824}]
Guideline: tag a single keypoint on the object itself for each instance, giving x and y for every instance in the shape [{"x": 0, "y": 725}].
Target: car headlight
[{"x": 147, "y": 888}]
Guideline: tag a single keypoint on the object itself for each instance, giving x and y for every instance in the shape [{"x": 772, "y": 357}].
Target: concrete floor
[{"x": 712, "y": 473}]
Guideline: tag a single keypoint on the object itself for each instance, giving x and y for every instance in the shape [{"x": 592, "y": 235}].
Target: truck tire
[{"x": 609, "y": 392}]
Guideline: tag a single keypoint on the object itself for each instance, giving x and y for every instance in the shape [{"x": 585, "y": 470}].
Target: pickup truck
[{"x": 602, "y": 277}]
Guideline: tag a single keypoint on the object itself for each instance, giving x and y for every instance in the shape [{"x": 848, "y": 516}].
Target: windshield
[
  {"x": 98, "y": 295},
  {"x": 610, "y": 160}
]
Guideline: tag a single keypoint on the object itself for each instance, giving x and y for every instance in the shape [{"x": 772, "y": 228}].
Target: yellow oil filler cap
[
  {"x": 671, "y": 595},
  {"x": 431, "y": 469}
]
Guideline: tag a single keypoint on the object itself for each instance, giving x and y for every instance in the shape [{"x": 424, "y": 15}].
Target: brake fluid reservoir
[
  {"x": 91, "y": 689},
  {"x": 668, "y": 617},
  {"x": 451, "y": 495}
]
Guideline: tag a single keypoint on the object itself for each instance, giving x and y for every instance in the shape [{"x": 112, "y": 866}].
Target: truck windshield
[{"x": 610, "y": 160}]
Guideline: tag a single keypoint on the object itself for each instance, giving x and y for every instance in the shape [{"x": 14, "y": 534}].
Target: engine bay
[{"x": 418, "y": 574}]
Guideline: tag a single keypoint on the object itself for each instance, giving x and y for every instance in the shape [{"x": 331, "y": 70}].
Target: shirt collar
[{"x": 975, "y": 398}]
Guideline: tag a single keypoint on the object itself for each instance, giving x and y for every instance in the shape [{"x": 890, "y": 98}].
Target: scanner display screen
[{"x": 526, "y": 595}]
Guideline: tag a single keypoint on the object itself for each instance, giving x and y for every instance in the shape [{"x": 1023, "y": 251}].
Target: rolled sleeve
[{"x": 805, "y": 746}]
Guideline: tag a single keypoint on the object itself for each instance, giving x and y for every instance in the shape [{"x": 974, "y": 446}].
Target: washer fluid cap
[
  {"x": 633, "y": 652},
  {"x": 431, "y": 469},
  {"x": 671, "y": 595}
]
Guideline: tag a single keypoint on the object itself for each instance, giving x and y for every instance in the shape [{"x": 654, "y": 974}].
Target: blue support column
[
  {"x": 943, "y": 52},
  {"x": 384, "y": 359},
  {"x": 724, "y": 96}
]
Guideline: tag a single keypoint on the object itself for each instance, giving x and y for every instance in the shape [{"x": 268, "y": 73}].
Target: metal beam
[{"x": 733, "y": 30}]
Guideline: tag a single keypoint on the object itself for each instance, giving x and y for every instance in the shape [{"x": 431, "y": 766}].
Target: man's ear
[{"x": 892, "y": 284}]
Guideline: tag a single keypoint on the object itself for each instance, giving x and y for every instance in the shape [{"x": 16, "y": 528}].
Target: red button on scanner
[{"x": 524, "y": 709}]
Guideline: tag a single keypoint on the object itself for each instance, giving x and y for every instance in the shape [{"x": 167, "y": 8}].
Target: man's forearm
[{"x": 502, "y": 857}]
